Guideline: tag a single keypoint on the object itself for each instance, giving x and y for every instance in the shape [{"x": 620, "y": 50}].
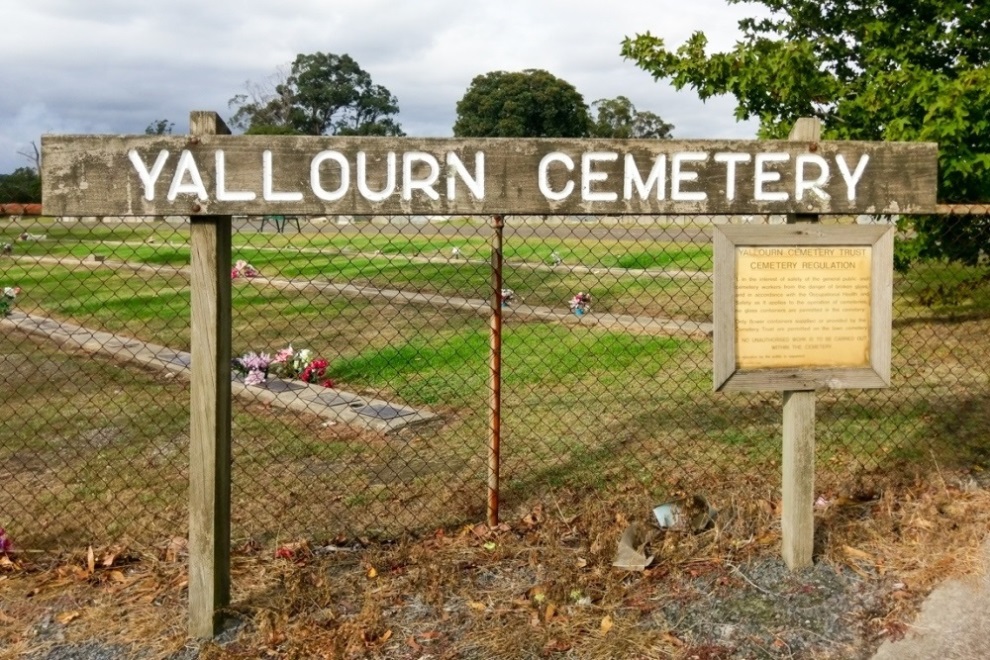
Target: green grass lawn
[{"x": 581, "y": 406}]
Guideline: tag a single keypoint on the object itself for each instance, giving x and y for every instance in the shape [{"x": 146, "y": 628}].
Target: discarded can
[{"x": 685, "y": 514}]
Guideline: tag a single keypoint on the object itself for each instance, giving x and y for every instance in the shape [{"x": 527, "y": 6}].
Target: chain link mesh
[{"x": 391, "y": 434}]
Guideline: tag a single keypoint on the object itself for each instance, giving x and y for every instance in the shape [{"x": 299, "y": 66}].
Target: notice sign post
[
  {"x": 798, "y": 308},
  {"x": 802, "y": 307}
]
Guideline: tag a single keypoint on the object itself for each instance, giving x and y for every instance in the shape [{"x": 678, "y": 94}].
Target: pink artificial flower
[
  {"x": 283, "y": 355},
  {"x": 6, "y": 545}
]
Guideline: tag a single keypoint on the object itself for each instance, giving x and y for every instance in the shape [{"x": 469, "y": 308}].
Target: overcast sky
[{"x": 114, "y": 66}]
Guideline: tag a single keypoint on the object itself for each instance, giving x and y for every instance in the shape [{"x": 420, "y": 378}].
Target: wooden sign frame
[{"x": 727, "y": 373}]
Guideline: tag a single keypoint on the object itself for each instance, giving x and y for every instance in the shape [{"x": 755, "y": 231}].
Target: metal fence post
[{"x": 495, "y": 368}]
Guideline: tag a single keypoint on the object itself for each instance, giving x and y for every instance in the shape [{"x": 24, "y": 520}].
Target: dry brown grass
[{"x": 540, "y": 584}]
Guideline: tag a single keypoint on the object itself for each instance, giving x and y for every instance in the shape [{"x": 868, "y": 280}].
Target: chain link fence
[{"x": 362, "y": 388}]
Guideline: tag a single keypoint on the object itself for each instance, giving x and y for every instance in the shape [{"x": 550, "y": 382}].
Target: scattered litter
[
  {"x": 686, "y": 514},
  {"x": 631, "y": 553}
]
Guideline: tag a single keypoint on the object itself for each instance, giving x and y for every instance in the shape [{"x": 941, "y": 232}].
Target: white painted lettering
[
  {"x": 852, "y": 179},
  {"x": 268, "y": 191},
  {"x": 426, "y": 185},
  {"x": 656, "y": 179},
  {"x": 475, "y": 184},
  {"x": 187, "y": 165},
  {"x": 543, "y": 178},
  {"x": 223, "y": 194},
  {"x": 731, "y": 160},
  {"x": 362, "y": 178},
  {"x": 148, "y": 179},
  {"x": 763, "y": 176},
  {"x": 801, "y": 184},
  {"x": 588, "y": 176},
  {"x": 679, "y": 176},
  {"x": 316, "y": 181}
]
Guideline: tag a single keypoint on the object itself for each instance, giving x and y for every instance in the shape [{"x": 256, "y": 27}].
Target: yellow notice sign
[{"x": 803, "y": 306}]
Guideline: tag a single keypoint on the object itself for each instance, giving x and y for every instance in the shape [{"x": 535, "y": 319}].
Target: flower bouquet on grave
[
  {"x": 316, "y": 373},
  {"x": 243, "y": 269},
  {"x": 7, "y": 299},
  {"x": 253, "y": 367},
  {"x": 580, "y": 304},
  {"x": 6, "y": 545},
  {"x": 508, "y": 296},
  {"x": 290, "y": 363}
]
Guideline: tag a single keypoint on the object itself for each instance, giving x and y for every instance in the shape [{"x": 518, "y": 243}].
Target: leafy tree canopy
[
  {"x": 530, "y": 103},
  {"x": 22, "y": 186},
  {"x": 619, "y": 118},
  {"x": 322, "y": 94},
  {"x": 870, "y": 70},
  {"x": 160, "y": 127}
]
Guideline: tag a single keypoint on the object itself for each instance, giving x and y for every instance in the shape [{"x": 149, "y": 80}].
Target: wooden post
[
  {"x": 209, "y": 442},
  {"x": 797, "y": 522},
  {"x": 495, "y": 371}
]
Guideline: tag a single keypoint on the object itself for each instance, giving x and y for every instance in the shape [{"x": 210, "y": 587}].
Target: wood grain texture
[
  {"x": 724, "y": 306},
  {"x": 93, "y": 175},
  {"x": 798, "y": 491},
  {"x": 209, "y": 442}
]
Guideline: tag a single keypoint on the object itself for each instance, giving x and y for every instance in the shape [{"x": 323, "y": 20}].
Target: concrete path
[
  {"x": 641, "y": 325},
  {"x": 330, "y": 404},
  {"x": 953, "y": 624}
]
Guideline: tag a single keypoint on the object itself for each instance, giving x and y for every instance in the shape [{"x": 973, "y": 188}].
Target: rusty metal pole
[{"x": 495, "y": 369}]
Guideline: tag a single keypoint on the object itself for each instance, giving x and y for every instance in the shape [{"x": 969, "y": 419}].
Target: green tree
[
  {"x": 530, "y": 103},
  {"x": 321, "y": 94},
  {"x": 159, "y": 127},
  {"x": 22, "y": 186},
  {"x": 619, "y": 118},
  {"x": 870, "y": 70}
]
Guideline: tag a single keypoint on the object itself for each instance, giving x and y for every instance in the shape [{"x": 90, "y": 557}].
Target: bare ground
[{"x": 540, "y": 584}]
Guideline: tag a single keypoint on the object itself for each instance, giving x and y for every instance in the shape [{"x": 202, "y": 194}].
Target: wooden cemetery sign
[
  {"x": 211, "y": 175},
  {"x": 292, "y": 175}
]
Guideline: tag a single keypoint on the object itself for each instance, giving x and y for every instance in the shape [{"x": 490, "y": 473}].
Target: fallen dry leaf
[
  {"x": 67, "y": 617},
  {"x": 176, "y": 547},
  {"x": 90, "y": 561},
  {"x": 534, "y": 517},
  {"x": 477, "y": 606},
  {"x": 856, "y": 553},
  {"x": 606, "y": 624},
  {"x": 372, "y": 573},
  {"x": 110, "y": 557}
]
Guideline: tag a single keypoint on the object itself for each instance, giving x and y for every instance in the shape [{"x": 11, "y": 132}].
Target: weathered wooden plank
[
  {"x": 798, "y": 492},
  {"x": 209, "y": 442},
  {"x": 723, "y": 302},
  {"x": 255, "y": 175}
]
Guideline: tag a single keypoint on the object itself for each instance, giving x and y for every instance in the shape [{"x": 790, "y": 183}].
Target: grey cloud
[{"x": 113, "y": 66}]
